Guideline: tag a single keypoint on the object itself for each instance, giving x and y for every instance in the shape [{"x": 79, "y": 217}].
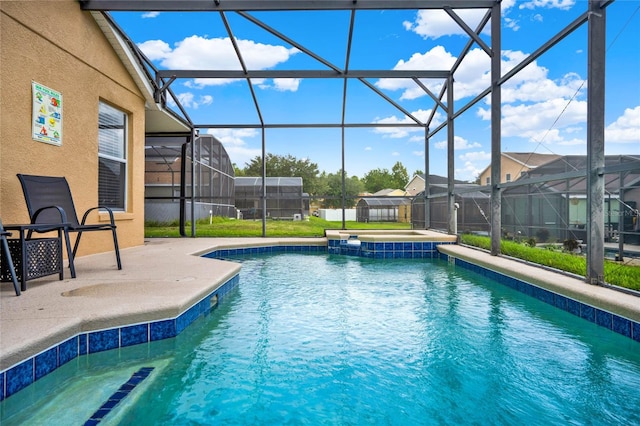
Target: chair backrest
[
  {"x": 46, "y": 191},
  {"x": 2, "y": 231}
]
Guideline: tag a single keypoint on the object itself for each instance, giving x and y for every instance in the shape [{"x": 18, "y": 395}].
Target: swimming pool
[{"x": 322, "y": 339}]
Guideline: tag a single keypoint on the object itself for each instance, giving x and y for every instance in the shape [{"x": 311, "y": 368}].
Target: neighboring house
[
  {"x": 416, "y": 184},
  {"x": 389, "y": 193},
  {"x": 514, "y": 165},
  {"x": 101, "y": 108}
]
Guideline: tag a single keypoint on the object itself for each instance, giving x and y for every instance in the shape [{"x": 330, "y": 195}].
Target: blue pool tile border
[
  {"x": 243, "y": 251},
  {"x": 386, "y": 249},
  {"x": 25, "y": 373},
  {"x": 606, "y": 319}
]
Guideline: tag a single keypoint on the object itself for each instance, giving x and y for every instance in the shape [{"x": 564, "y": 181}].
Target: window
[
  {"x": 112, "y": 158},
  {"x": 488, "y": 180},
  {"x": 508, "y": 177}
]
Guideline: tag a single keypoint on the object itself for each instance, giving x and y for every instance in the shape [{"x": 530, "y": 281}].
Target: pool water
[{"x": 337, "y": 340}]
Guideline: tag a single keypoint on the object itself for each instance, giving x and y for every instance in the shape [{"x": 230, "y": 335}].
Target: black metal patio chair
[
  {"x": 49, "y": 201},
  {"x": 9, "y": 261}
]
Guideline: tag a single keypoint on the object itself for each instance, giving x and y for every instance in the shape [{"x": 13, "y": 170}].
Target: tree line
[{"x": 327, "y": 186}]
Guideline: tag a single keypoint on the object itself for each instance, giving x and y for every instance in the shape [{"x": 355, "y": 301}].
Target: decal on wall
[{"x": 47, "y": 115}]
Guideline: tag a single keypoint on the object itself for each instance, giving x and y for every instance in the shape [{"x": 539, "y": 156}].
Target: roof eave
[{"x": 157, "y": 118}]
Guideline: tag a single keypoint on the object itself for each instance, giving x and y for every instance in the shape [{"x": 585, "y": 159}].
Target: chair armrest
[
  {"x": 63, "y": 214},
  {"x": 108, "y": 209}
]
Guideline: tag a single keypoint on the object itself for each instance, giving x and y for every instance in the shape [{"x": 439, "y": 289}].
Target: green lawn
[
  {"x": 615, "y": 273},
  {"x": 225, "y": 227}
]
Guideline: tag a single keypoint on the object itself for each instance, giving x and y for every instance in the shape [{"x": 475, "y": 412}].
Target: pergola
[{"x": 594, "y": 17}]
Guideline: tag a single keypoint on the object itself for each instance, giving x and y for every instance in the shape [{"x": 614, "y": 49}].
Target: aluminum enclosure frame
[{"x": 595, "y": 16}]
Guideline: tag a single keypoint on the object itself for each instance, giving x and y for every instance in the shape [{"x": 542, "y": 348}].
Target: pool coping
[
  {"x": 600, "y": 297},
  {"x": 52, "y": 316}
]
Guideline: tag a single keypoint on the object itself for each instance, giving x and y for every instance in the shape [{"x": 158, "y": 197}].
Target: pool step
[{"x": 119, "y": 395}]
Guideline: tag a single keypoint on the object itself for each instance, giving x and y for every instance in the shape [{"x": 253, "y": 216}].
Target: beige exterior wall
[
  {"x": 415, "y": 186},
  {"x": 55, "y": 44},
  {"x": 507, "y": 166}
]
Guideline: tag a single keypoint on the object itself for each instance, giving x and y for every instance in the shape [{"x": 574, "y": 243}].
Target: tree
[
  {"x": 377, "y": 179},
  {"x": 400, "y": 176},
  {"x": 237, "y": 170},
  {"x": 333, "y": 184},
  {"x": 286, "y": 166}
]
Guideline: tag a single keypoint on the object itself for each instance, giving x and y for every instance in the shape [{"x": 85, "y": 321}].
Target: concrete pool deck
[{"x": 164, "y": 277}]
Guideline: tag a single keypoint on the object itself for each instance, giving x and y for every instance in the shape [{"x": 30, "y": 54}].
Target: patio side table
[{"x": 34, "y": 257}]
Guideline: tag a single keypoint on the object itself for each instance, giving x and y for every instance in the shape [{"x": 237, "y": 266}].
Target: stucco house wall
[
  {"x": 514, "y": 164},
  {"x": 507, "y": 166},
  {"x": 57, "y": 45}
]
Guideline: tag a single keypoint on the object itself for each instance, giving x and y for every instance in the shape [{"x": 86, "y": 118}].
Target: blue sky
[{"x": 544, "y": 107}]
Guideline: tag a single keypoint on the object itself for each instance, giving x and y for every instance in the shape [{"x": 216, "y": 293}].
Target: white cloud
[
  {"x": 206, "y": 100},
  {"x": 434, "y": 23},
  {"x": 234, "y": 142},
  {"x": 472, "y": 164},
  {"x": 188, "y": 100},
  {"x": 437, "y": 55},
  {"x": 533, "y": 84},
  {"x": 548, "y": 4},
  {"x": 626, "y": 129},
  {"x": 368, "y": 148},
  {"x": 459, "y": 143},
  {"x": 418, "y": 153},
  {"x": 468, "y": 172},
  {"x": 507, "y": 5},
  {"x": 512, "y": 23},
  {"x": 395, "y": 154},
  {"x": 201, "y": 53},
  {"x": 573, "y": 142},
  {"x": 282, "y": 84},
  {"x": 147, "y": 15},
  {"x": 538, "y": 120},
  {"x": 529, "y": 84},
  {"x": 474, "y": 75},
  {"x": 401, "y": 132},
  {"x": 155, "y": 49},
  {"x": 200, "y": 83},
  {"x": 475, "y": 156}
]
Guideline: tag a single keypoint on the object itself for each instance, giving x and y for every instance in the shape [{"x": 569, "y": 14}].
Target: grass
[
  {"x": 225, "y": 227},
  {"x": 615, "y": 273}
]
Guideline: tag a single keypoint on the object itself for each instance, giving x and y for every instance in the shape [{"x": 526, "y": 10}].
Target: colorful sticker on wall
[{"x": 46, "y": 121}]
